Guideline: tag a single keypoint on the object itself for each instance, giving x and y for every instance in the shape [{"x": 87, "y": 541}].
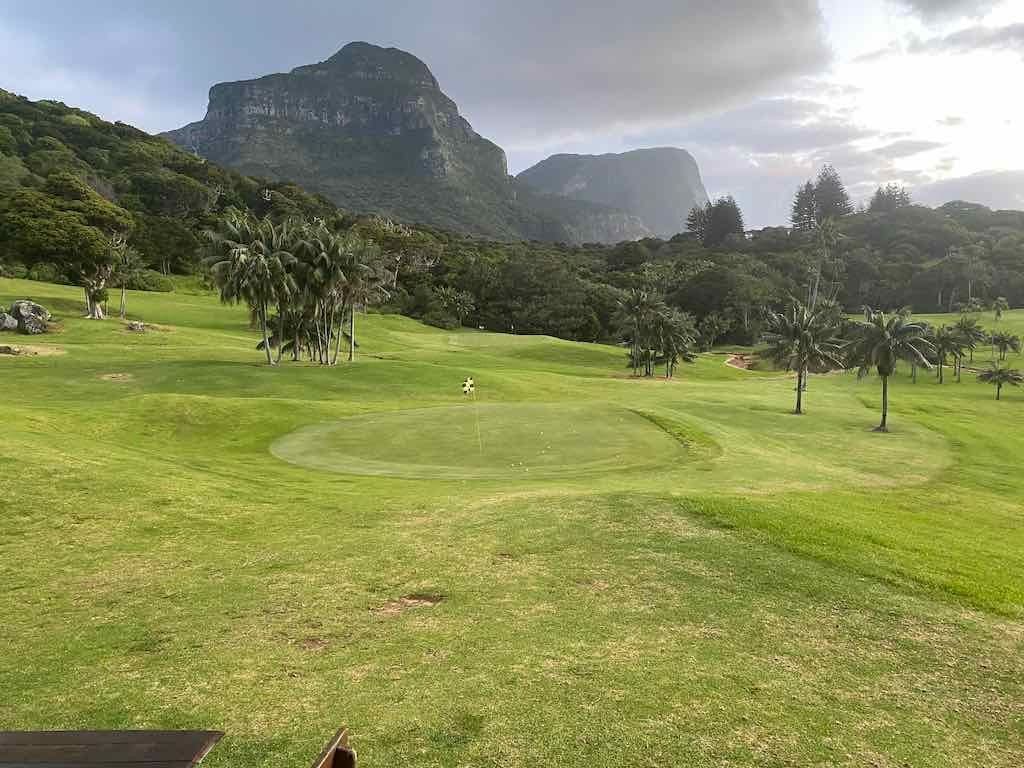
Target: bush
[
  {"x": 14, "y": 269},
  {"x": 150, "y": 280},
  {"x": 441, "y": 319},
  {"x": 45, "y": 272}
]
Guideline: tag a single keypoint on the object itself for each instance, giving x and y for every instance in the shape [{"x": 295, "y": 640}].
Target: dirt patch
[
  {"x": 24, "y": 350},
  {"x": 407, "y": 603},
  {"x": 313, "y": 644},
  {"x": 740, "y": 362},
  {"x": 118, "y": 377}
]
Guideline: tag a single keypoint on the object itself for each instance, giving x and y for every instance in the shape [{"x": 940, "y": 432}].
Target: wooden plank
[
  {"x": 337, "y": 753},
  {"x": 100, "y": 749}
]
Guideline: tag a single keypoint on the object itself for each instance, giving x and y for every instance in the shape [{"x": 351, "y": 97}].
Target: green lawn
[{"x": 624, "y": 572}]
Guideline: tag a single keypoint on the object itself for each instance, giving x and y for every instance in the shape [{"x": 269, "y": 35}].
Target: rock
[
  {"x": 136, "y": 327},
  {"x": 30, "y": 325},
  {"x": 6, "y": 349},
  {"x": 8, "y": 322},
  {"x": 25, "y": 307}
]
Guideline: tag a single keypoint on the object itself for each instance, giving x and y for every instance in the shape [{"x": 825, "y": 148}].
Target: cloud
[
  {"x": 525, "y": 74},
  {"x": 939, "y": 10},
  {"x": 996, "y": 189},
  {"x": 952, "y": 121},
  {"x": 964, "y": 41},
  {"x": 905, "y": 148}
]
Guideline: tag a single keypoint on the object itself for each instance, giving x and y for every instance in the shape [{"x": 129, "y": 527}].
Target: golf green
[{"x": 478, "y": 441}]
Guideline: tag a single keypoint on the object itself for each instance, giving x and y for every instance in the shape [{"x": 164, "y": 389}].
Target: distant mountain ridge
[
  {"x": 659, "y": 185},
  {"x": 371, "y": 129}
]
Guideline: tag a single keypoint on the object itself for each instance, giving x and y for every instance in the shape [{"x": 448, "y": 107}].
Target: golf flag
[{"x": 468, "y": 387}]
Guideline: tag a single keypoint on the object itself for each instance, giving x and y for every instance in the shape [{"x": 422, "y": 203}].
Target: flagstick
[{"x": 476, "y": 412}]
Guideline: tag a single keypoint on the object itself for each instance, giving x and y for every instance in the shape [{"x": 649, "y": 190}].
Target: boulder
[
  {"x": 8, "y": 322},
  {"x": 25, "y": 307},
  {"x": 31, "y": 325},
  {"x": 136, "y": 327}
]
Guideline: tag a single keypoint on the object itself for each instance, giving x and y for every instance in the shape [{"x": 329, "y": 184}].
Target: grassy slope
[{"x": 783, "y": 591}]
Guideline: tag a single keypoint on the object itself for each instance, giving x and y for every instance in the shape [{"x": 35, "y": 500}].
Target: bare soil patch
[
  {"x": 118, "y": 377},
  {"x": 27, "y": 350},
  {"x": 407, "y": 603},
  {"x": 740, "y": 362}
]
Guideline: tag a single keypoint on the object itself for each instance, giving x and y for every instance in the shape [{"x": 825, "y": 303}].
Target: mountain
[
  {"x": 371, "y": 129},
  {"x": 660, "y": 186}
]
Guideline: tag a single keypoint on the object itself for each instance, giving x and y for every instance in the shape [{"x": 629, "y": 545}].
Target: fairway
[
  {"x": 485, "y": 441},
  {"x": 639, "y": 573}
]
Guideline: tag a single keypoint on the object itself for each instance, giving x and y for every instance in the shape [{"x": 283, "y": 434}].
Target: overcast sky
[{"x": 763, "y": 92}]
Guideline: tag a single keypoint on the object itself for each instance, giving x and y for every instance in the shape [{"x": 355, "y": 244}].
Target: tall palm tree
[
  {"x": 1005, "y": 343},
  {"x": 365, "y": 281},
  {"x": 971, "y": 334},
  {"x": 880, "y": 342},
  {"x": 803, "y": 338},
  {"x": 677, "y": 338},
  {"x": 946, "y": 343},
  {"x": 636, "y": 312},
  {"x": 1000, "y": 376},
  {"x": 999, "y": 307}
]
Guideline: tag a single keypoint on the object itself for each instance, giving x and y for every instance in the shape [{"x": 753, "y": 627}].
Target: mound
[{"x": 515, "y": 440}]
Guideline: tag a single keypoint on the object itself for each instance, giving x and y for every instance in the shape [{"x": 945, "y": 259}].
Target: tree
[
  {"x": 725, "y": 219},
  {"x": 804, "y": 214},
  {"x": 128, "y": 267},
  {"x": 803, "y": 339},
  {"x": 889, "y": 198},
  {"x": 947, "y": 343},
  {"x": 244, "y": 269},
  {"x": 832, "y": 201},
  {"x": 698, "y": 220},
  {"x": 971, "y": 334},
  {"x": 1005, "y": 343},
  {"x": 880, "y": 342},
  {"x": 635, "y": 318},
  {"x": 365, "y": 281},
  {"x": 999, "y": 307},
  {"x": 712, "y": 327},
  {"x": 676, "y": 336},
  {"x": 1000, "y": 376}
]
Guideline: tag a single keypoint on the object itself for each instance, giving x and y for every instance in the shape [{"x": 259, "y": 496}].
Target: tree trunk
[
  {"x": 280, "y": 333},
  {"x": 913, "y": 372},
  {"x": 941, "y": 377},
  {"x": 884, "y": 426},
  {"x": 266, "y": 338},
  {"x": 800, "y": 392},
  {"x": 352, "y": 334},
  {"x": 999, "y": 391},
  {"x": 124, "y": 301}
]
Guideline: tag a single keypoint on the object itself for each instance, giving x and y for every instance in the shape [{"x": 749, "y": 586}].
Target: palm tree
[
  {"x": 677, "y": 337},
  {"x": 803, "y": 339},
  {"x": 244, "y": 270},
  {"x": 365, "y": 282},
  {"x": 1001, "y": 376},
  {"x": 881, "y": 341},
  {"x": 946, "y": 343},
  {"x": 637, "y": 308},
  {"x": 971, "y": 334},
  {"x": 1000, "y": 306},
  {"x": 1005, "y": 343}
]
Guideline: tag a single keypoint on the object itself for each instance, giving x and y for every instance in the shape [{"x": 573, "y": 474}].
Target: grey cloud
[
  {"x": 996, "y": 189},
  {"x": 905, "y": 148},
  {"x": 937, "y": 10},
  {"x": 526, "y": 74},
  {"x": 976, "y": 38}
]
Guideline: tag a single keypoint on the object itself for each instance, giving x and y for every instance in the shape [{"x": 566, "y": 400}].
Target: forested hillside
[{"x": 69, "y": 182}]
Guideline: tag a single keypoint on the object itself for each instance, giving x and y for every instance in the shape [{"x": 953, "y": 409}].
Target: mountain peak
[{"x": 365, "y": 61}]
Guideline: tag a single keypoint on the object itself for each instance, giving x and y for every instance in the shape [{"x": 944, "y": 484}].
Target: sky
[{"x": 924, "y": 93}]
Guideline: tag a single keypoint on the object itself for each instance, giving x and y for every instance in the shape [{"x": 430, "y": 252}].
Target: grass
[{"x": 688, "y": 574}]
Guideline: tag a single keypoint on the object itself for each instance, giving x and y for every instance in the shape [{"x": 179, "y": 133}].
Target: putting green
[{"x": 515, "y": 440}]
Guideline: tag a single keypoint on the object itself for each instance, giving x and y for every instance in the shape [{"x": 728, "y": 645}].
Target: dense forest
[{"x": 76, "y": 193}]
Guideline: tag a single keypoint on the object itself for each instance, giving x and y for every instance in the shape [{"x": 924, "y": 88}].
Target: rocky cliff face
[
  {"x": 371, "y": 129},
  {"x": 660, "y": 186}
]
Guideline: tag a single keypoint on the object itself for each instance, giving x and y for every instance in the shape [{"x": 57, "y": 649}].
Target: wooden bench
[
  {"x": 105, "y": 749},
  {"x": 133, "y": 749}
]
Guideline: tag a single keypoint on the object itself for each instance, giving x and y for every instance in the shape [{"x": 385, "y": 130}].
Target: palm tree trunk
[
  {"x": 942, "y": 379},
  {"x": 999, "y": 391},
  {"x": 266, "y": 339},
  {"x": 124, "y": 302},
  {"x": 884, "y": 426},
  {"x": 800, "y": 392},
  {"x": 352, "y": 334},
  {"x": 913, "y": 372}
]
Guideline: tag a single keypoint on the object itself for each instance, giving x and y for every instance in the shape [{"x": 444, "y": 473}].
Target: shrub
[
  {"x": 441, "y": 319},
  {"x": 150, "y": 280},
  {"x": 14, "y": 269},
  {"x": 45, "y": 272}
]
